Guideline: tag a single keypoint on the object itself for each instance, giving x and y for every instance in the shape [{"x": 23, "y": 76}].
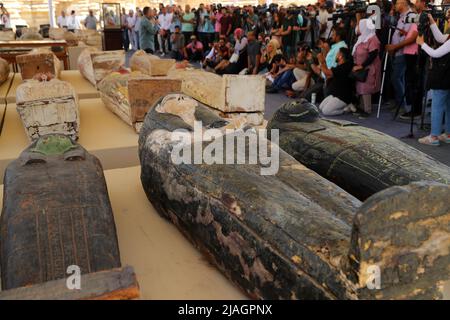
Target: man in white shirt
[
  {"x": 131, "y": 21},
  {"x": 164, "y": 20},
  {"x": 137, "y": 27},
  {"x": 62, "y": 20},
  {"x": 325, "y": 13},
  {"x": 73, "y": 23}
]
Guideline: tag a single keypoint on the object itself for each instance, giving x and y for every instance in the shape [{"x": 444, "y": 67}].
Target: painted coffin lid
[
  {"x": 48, "y": 107},
  {"x": 130, "y": 95},
  {"x": 53, "y": 220},
  {"x": 4, "y": 70},
  {"x": 230, "y": 93},
  {"x": 38, "y": 61}
]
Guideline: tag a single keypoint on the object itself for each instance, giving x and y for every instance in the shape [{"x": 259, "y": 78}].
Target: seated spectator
[
  {"x": 338, "y": 39},
  {"x": 219, "y": 54},
  {"x": 238, "y": 60},
  {"x": 284, "y": 78},
  {"x": 268, "y": 55},
  {"x": 253, "y": 53},
  {"x": 177, "y": 44},
  {"x": 339, "y": 86},
  {"x": 194, "y": 50},
  {"x": 302, "y": 72}
]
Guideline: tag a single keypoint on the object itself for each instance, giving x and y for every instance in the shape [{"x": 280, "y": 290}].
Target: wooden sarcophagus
[
  {"x": 232, "y": 96},
  {"x": 362, "y": 161},
  {"x": 39, "y": 61},
  {"x": 129, "y": 95},
  {"x": 47, "y": 107},
  {"x": 288, "y": 233},
  {"x": 95, "y": 65},
  {"x": 4, "y": 70},
  {"x": 57, "y": 217},
  {"x": 150, "y": 64}
]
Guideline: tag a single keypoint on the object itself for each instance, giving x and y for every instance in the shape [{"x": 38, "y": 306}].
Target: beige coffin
[
  {"x": 230, "y": 93},
  {"x": 8, "y": 35},
  {"x": 94, "y": 65},
  {"x": 63, "y": 34},
  {"x": 150, "y": 64},
  {"x": 89, "y": 37},
  {"x": 131, "y": 95},
  {"x": 48, "y": 107},
  {"x": 4, "y": 70},
  {"x": 242, "y": 119},
  {"x": 38, "y": 61}
]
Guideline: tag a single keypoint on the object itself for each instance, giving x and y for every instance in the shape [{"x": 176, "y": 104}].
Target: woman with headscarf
[{"x": 366, "y": 56}]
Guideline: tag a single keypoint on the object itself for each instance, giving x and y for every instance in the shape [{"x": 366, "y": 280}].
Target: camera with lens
[
  {"x": 422, "y": 21},
  {"x": 295, "y": 11}
]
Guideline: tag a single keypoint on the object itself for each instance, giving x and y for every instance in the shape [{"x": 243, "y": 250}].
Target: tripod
[{"x": 383, "y": 78}]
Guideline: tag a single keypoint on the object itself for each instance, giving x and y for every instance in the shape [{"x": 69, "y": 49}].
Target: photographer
[
  {"x": 287, "y": 35},
  {"x": 439, "y": 83},
  {"x": 403, "y": 50},
  {"x": 6, "y": 21},
  {"x": 339, "y": 86}
]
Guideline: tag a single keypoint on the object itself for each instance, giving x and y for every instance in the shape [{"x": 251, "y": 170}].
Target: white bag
[{"x": 234, "y": 57}]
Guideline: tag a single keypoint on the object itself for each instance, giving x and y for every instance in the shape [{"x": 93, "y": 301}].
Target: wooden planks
[{"x": 114, "y": 284}]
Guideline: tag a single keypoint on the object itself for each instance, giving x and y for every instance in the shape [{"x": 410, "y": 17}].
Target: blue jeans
[
  {"x": 285, "y": 80},
  {"x": 398, "y": 79},
  {"x": 440, "y": 104}
]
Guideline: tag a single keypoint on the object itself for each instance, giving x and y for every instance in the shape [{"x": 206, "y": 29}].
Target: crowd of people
[
  {"x": 72, "y": 22},
  {"x": 333, "y": 60}
]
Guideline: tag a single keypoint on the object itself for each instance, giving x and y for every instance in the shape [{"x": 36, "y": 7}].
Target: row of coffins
[
  {"x": 293, "y": 234},
  {"x": 361, "y": 160},
  {"x": 57, "y": 230},
  {"x": 57, "y": 233}
]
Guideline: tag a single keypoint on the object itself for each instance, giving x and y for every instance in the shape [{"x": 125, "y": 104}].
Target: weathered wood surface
[
  {"x": 130, "y": 95},
  {"x": 47, "y": 107},
  {"x": 150, "y": 64},
  {"x": 38, "y": 61},
  {"x": 85, "y": 64},
  {"x": 289, "y": 236},
  {"x": 95, "y": 65},
  {"x": 56, "y": 213},
  {"x": 405, "y": 231},
  {"x": 4, "y": 70},
  {"x": 63, "y": 34},
  {"x": 229, "y": 93},
  {"x": 31, "y": 35},
  {"x": 105, "y": 62},
  {"x": 251, "y": 226},
  {"x": 8, "y": 35},
  {"x": 362, "y": 161},
  {"x": 114, "y": 284}
]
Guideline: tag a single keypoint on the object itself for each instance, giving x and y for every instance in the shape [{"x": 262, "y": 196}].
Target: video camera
[
  {"x": 422, "y": 21},
  {"x": 350, "y": 10},
  {"x": 264, "y": 9}
]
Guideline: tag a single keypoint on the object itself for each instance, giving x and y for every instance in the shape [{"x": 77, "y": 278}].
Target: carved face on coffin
[
  {"x": 50, "y": 148},
  {"x": 179, "y": 105},
  {"x": 184, "y": 107},
  {"x": 297, "y": 111}
]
